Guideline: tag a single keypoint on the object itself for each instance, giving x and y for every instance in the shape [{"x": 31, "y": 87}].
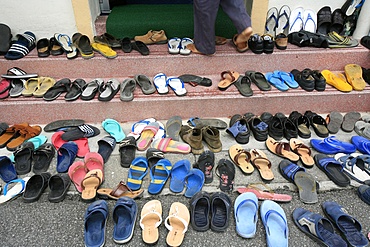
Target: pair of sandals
[
  {"x": 162, "y": 82},
  {"x": 178, "y": 46},
  {"x": 73, "y": 89}
]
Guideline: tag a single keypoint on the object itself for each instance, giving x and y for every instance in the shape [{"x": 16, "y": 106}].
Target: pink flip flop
[
  {"x": 265, "y": 195},
  {"x": 82, "y": 143},
  {"x": 147, "y": 136},
  {"x": 77, "y": 172},
  {"x": 170, "y": 146},
  {"x": 93, "y": 161}
]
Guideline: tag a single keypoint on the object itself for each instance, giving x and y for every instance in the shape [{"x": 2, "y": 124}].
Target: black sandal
[
  {"x": 225, "y": 170},
  {"x": 318, "y": 124},
  {"x": 206, "y": 163}
]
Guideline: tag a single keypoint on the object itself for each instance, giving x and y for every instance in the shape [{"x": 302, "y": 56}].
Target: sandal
[
  {"x": 281, "y": 149},
  {"x": 318, "y": 124},
  {"x": 304, "y": 152},
  {"x": 263, "y": 165},
  {"x": 265, "y": 194},
  {"x": 227, "y": 78},
  {"x": 121, "y": 190},
  {"x": 26, "y": 42},
  {"x": 225, "y": 170},
  {"x": 150, "y": 220},
  {"x": 206, "y": 163},
  {"x": 241, "y": 158}
]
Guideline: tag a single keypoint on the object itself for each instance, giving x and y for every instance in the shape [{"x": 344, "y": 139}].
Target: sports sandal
[
  {"x": 241, "y": 158},
  {"x": 262, "y": 163}
]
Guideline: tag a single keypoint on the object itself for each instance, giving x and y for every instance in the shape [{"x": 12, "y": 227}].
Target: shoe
[
  {"x": 193, "y": 137},
  {"x": 268, "y": 43},
  {"x": 276, "y": 128},
  {"x": 259, "y": 129},
  {"x": 255, "y": 44},
  {"x": 152, "y": 37},
  {"x": 239, "y": 129},
  {"x": 220, "y": 211},
  {"x": 304, "y": 79},
  {"x": 290, "y": 129},
  {"x": 331, "y": 145},
  {"x": 211, "y": 136}
]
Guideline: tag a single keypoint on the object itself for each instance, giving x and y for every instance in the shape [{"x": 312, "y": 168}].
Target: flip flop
[
  {"x": 177, "y": 223},
  {"x": 305, "y": 182},
  {"x": 16, "y": 190},
  {"x": 91, "y": 88},
  {"x": 296, "y": 23},
  {"x": 271, "y": 21},
  {"x": 349, "y": 120},
  {"x": 195, "y": 80},
  {"x": 334, "y": 121},
  {"x": 127, "y": 88},
  {"x": 146, "y": 85},
  {"x": 30, "y": 86},
  {"x": 109, "y": 89},
  {"x": 147, "y": 135},
  {"x": 228, "y": 77},
  {"x": 173, "y": 128},
  {"x": 104, "y": 50},
  {"x": 333, "y": 169},
  {"x": 282, "y": 22},
  {"x": 183, "y": 44},
  {"x": 309, "y": 20},
  {"x": 281, "y": 149},
  {"x": 266, "y": 194},
  {"x": 90, "y": 184},
  {"x": 259, "y": 80},
  {"x": 303, "y": 151},
  {"x": 136, "y": 173},
  {"x": 276, "y": 81},
  {"x": 160, "y": 82},
  {"x": 114, "y": 129},
  {"x": 337, "y": 80},
  {"x": 246, "y": 214},
  {"x": 23, "y": 158},
  {"x": 167, "y": 145},
  {"x": 225, "y": 171},
  {"x": 150, "y": 220},
  {"x": 353, "y": 74},
  {"x": 177, "y": 85},
  {"x": 174, "y": 45},
  {"x": 179, "y": 172},
  {"x": 77, "y": 172},
  {"x": 45, "y": 84},
  {"x": 159, "y": 174},
  {"x": 362, "y": 129},
  {"x": 58, "y": 124},
  {"x": 263, "y": 165},
  {"x": 194, "y": 182},
  {"x": 138, "y": 127},
  {"x": 83, "y": 45},
  {"x": 241, "y": 158},
  {"x": 121, "y": 190}
]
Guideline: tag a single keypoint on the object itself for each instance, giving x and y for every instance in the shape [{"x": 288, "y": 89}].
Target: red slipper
[
  {"x": 77, "y": 172},
  {"x": 4, "y": 85},
  {"x": 82, "y": 143},
  {"x": 265, "y": 195}
]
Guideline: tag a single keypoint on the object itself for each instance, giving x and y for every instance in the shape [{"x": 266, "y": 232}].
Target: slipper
[
  {"x": 90, "y": 183},
  {"x": 337, "y": 80},
  {"x": 228, "y": 77},
  {"x": 145, "y": 84},
  {"x": 337, "y": 24},
  {"x": 355, "y": 165},
  {"x": 177, "y": 85},
  {"x": 114, "y": 129},
  {"x": 259, "y": 79},
  {"x": 194, "y": 182},
  {"x": 205, "y": 163},
  {"x": 16, "y": 190},
  {"x": 195, "y": 80},
  {"x": 150, "y": 220},
  {"x": 305, "y": 182},
  {"x": 127, "y": 150},
  {"x": 136, "y": 173},
  {"x": 184, "y": 42},
  {"x": 241, "y": 158},
  {"x": 333, "y": 169},
  {"x": 336, "y": 40},
  {"x": 57, "y": 89},
  {"x": 331, "y": 145},
  {"x": 179, "y": 172},
  {"x": 75, "y": 90},
  {"x": 318, "y": 124},
  {"x": 262, "y": 163},
  {"x": 309, "y": 20},
  {"x": 153, "y": 156},
  {"x": 362, "y": 129},
  {"x": 93, "y": 161},
  {"x": 213, "y": 122},
  {"x": 45, "y": 84},
  {"x": 108, "y": 39},
  {"x": 303, "y": 151},
  {"x": 77, "y": 172},
  {"x": 23, "y": 158},
  {"x": 82, "y": 143},
  {"x": 124, "y": 217},
  {"x": 17, "y": 87},
  {"x": 317, "y": 227},
  {"x": 106, "y": 147},
  {"x": 96, "y": 216},
  {"x": 43, "y": 47},
  {"x": 42, "y": 157},
  {"x": 141, "y": 47},
  {"x": 121, "y": 190},
  {"x": 276, "y": 81},
  {"x": 173, "y": 128},
  {"x": 91, "y": 88},
  {"x": 17, "y": 73},
  {"x": 66, "y": 155},
  {"x": 174, "y": 45},
  {"x": 65, "y": 41},
  {"x": 3, "y": 127},
  {"x": 349, "y": 120},
  {"x": 350, "y": 6},
  {"x": 353, "y": 74},
  {"x": 30, "y": 86},
  {"x": 363, "y": 192},
  {"x": 334, "y": 121},
  {"x": 281, "y": 149},
  {"x": 104, "y": 50},
  {"x": 296, "y": 23},
  {"x": 348, "y": 226},
  {"x": 147, "y": 135},
  {"x": 138, "y": 127},
  {"x": 4, "y": 84},
  {"x": 83, "y": 45},
  {"x": 220, "y": 211},
  {"x": 24, "y": 44},
  {"x": 127, "y": 88},
  {"x": 4, "y": 94},
  {"x": 282, "y": 22},
  {"x": 271, "y": 21},
  {"x": 287, "y": 78},
  {"x": 275, "y": 222},
  {"x": 81, "y": 131},
  {"x": 246, "y": 214},
  {"x": 177, "y": 223},
  {"x": 362, "y": 144},
  {"x": 108, "y": 90},
  {"x": 160, "y": 82},
  {"x": 199, "y": 211},
  {"x": 324, "y": 20},
  {"x": 58, "y": 185},
  {"x": 167, "y": 145},
  {"x": 7, "y": 169},
  {"x": 159, "y": 174},
  {"x": 11, "y": 133},
  {"x": 58, "y": 124},
  {"x": 225, "y": 171},
  {"x": 243, "y": 84},
  {"x": 35, "y": 186},
  {"x": 265, "y": 194},
  {"x": 6, "y": 38}
]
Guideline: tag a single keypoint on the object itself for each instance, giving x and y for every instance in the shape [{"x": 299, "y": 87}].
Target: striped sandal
[{"x": 26, "y": 42}]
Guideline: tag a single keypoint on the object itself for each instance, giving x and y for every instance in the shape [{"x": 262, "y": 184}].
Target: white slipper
[
  {"x": 309, "y": 21},
  {"x": 355, "y": 169},
  {"x": 160, "y": 82},
  {"x": 138, "y": 127},
  {"x": 271, "y": 21},
  {"x": 282, "y": 25},
  {"x": 16, "y": 190},
  {"x": 177, "y": 85},
  {"x": 65, "y": 41},
  {"x": 183, "y": 44},
  {"x": 296, "y": 20},
  {"x": 174, "y": 45},
  {"x": 161, "y": 133}
]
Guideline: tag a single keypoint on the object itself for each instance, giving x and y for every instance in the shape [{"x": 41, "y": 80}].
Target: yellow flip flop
[
  {"x": 337, "y": 80},
  {"x": 31, "y": 86},
  {"x": 104, "y": 50},
  {"x": 45, "y": 84},
  {"x": 354, "y": 76}
]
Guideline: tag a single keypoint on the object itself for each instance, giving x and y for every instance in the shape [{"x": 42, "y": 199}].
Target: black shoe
[
  {"x": 239, "y": 129},
  {"x": 290, "y": 130},
  {"x": 302, "y": 123},
  {"x": 220, "y": 211},
  {"x": 268, "y": 43},
  {"x": 266, "y": 117},
  {"x": 255, "y": 44},
  {"x": 365, "y": 41},
  {"x": 276, "y": 128},
  {"x": 259, "y": 129},
  {"x": 320, "y": 82},
  {"x": 200, "y": 206},
  {"x": 304, "y": 79},
  {"x": 366, "y": 75}
]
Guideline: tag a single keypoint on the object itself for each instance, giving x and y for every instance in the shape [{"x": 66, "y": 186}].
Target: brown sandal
[
  {"x": 304, "y": 152},
  {"x": 241, "y": 158},
  {"x": 281, "y": 149},
  {"x": 262, "y": 163},
  {"x": 119, "y": 191},
  {"x": 228, "y": 77}
]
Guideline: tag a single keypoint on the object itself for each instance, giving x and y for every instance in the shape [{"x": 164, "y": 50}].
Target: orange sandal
[{"x": 227, "y": 78}]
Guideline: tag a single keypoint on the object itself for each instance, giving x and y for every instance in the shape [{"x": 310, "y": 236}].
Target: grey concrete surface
[{"x": 43, "y": 223}]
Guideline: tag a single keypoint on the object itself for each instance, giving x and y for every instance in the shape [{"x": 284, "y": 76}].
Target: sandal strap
[{"x": 120, "y": 189}]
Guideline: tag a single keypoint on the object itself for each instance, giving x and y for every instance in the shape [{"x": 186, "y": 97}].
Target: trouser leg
[{"x": 237, "y": 12}]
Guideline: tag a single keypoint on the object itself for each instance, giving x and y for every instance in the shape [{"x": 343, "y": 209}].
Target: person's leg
[{"x": 205, "y": 13}]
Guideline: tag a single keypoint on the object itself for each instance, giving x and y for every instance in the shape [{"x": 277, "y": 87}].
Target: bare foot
[{"x": 241, "y": 40}]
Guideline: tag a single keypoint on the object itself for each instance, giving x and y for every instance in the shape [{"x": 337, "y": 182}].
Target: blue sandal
[
  {"x": 136, "y": 173},
  {"x": 159, "y": 175}
]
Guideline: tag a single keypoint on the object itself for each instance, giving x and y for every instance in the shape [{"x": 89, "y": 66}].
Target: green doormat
[{"x": 175, "y": 19}]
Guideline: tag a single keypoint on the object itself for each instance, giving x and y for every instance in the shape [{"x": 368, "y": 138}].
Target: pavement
[{"x": 43, "y": 223}]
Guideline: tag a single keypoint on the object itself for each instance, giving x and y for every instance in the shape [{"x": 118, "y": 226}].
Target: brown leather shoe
[
  {"x": 193, "y": 137},
  {"x": 152, "y": 37},
  {"x": 24, "y": 133},
  {"x": 211, "y": 136}
]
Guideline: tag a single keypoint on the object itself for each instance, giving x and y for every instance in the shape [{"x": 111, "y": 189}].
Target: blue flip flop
[
  {"x": 245, "y": 212},
  {"x": 331, "y": 145},
  {"x": 95, "y": 223},
  {"x": 178, "y": 175},
  {"x": 66, "y": 155},
  {"x": 7, "y": 169},
  {"x": 275, "y": 223},
  {"x": 194, "y": 182},
  {"x": 361, "y": 143},
  {"x": 114, "y": 129},
  {"x": 136, "y": 173},
  {"x": 348, "y": 226},
  {"x": 159, "y": 175},
  {"x": 287, "y": 78},
  {"x": 124, "y": 217},
  {"x": 276, "y": 81},
  {"x": 317, "y": 227}
]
